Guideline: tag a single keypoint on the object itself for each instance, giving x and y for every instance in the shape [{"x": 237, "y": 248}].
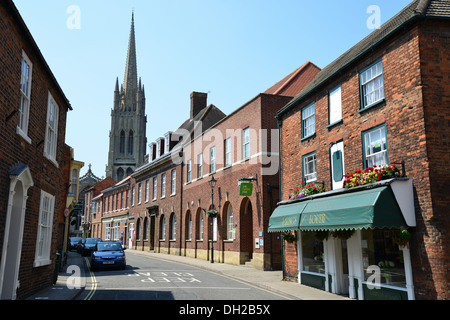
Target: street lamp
[{"x": 212, "y": 184}]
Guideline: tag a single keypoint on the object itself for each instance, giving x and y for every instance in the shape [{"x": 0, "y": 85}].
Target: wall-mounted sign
[{"x": 246, "y": 189}]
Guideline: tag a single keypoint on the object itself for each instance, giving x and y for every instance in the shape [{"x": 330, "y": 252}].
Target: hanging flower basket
[
  {"x": 308, "y": 190},
  {"x": 289, "y": 237},
  {"x": 212, "y": 213},
  {"x": 401, "y": 237},
  {"x": 321, "y": 235},
  {"x": 343, "y": 234}
]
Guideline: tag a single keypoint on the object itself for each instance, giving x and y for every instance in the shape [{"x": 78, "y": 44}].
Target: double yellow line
[{"x": 93, "y": 281}]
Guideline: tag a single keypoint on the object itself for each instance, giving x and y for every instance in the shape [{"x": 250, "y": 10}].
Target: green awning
[
  {"x": 286, "y": 217},
  {"x": 371, "y": 208}
]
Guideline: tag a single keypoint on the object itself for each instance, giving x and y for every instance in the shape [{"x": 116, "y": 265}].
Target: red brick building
[
  {"x": 384, "y": 101},
  {"x": 240, "y": 147},
  {"x": 33, "y": 183}
]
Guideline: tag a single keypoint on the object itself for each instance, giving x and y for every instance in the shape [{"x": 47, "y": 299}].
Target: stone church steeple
[{"x": 127, "y": 138}]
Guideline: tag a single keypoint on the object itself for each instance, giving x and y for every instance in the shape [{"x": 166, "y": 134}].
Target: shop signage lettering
[
  {"x": 316, "y": 219},
  {"x": 289, "y": 221}
]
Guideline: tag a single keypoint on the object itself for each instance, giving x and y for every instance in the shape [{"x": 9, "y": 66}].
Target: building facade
[
  {"x": 240, "y": 148},
  {"x": 33, "y": 182},
  {"x": 371, "y": 130},
  {"x": 127, "y": 138}
]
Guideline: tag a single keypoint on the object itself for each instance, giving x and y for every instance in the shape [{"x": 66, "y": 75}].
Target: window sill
[
  {"x": 308, "y": 137},
  {"x": 373, "y": 105},
  {"x": 23, "y": 135},
  {"x": 334, "y": 123},
  {"x": 41, "y": 263},
  {"x": 53, "y": 161}
]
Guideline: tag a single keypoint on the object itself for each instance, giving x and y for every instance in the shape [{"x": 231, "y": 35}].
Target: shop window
[
  {"x": 382, "y": 259},
  {"x": 312, "y": 253}
]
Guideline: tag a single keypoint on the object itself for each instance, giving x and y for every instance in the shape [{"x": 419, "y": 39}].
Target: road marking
[{"x": 93, "y": 280}]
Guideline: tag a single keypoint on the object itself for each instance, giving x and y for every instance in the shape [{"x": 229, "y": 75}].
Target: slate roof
[{"x": 417, "y": 8}]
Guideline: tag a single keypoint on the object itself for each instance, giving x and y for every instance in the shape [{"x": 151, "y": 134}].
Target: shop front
[{"x": 353, "y": 242}]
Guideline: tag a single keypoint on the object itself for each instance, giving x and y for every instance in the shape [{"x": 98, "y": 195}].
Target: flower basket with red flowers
[
  {"x": 370, "y": 175},
  {"x": 308, "y": 190}
]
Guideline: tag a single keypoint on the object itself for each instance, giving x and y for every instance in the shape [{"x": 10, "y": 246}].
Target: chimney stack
[{"x": 198, "y": 102}]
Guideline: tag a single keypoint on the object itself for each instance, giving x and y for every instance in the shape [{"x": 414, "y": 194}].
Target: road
[{"x": 148, "y": 278}]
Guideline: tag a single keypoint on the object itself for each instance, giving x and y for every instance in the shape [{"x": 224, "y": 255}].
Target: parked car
[
  {"x": 73, "y": 241},
  {"x": 108, "y": 254},
  {"x": 89, "y": 246},
  {"x": 80, "y": 244}
]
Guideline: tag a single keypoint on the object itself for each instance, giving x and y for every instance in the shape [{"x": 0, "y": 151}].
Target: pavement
[{"x": 72, "y": 279}]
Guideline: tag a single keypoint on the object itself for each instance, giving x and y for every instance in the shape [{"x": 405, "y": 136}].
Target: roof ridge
[{"x": 293, "y": 75}]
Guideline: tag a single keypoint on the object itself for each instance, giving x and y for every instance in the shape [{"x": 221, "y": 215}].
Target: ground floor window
[
  {"x": 312, "y": 251},
  {"x": 382, "y": 258},
  {"x": 108, "y": 231}
]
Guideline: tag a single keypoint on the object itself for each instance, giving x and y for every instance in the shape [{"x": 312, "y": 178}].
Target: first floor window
[
  {"x": 163, "y": 185},
  {"x": 375, "y": 147},
  {"x": 45, "y": 226},
  {"x": 246, "y": 143},
  {"x": 174, "y": 182},
  {"x": 309, "y": 168},
  {"x": 51, "y": 132},
  {"x": 189, "y": 171},
  {"x": 155, "y": 184},
  {"x": 212, "y": 160}
]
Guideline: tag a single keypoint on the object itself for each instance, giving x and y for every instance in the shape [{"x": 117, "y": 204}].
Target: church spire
[{"x": 130, "y": 82}]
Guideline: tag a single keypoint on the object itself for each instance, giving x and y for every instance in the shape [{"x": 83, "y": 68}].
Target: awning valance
[{"x": 369, "y": 208}]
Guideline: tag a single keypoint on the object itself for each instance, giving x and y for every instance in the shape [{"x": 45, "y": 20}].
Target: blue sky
[{"x": 231, "y": 49}]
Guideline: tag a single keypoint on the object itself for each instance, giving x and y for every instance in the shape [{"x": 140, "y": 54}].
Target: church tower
[{"x": 127, "y": 138}]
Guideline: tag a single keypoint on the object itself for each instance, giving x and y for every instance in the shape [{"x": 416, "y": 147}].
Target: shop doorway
[{"x": 341, "y": 285}]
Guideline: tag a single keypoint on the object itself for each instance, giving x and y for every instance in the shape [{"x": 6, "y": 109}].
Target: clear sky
[{"x": 231, "y": 49}]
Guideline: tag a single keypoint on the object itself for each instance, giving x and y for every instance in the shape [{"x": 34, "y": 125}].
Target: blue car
[{"x": 108, "y": 254}]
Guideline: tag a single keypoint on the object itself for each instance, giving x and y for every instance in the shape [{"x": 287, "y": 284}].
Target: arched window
[
  {"x": 120, "y": 174},
  {"x": 138, "y": 230},
  {"x": 173, "y": 227},
  {"x": 130, "y": 142},
  {"x": 122, "y": 142},
  {"x": 230, "y": 222},
  {"x": 129, "y": 172},
  {"x": 188, "y": 225},
  {"x": 162, "y": 229},
  {"x": 145, "y": 236},
  {"x": 200, "y": 226}
]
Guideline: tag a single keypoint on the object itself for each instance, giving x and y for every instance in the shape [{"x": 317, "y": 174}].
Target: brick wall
[
  {"x": 411, "y": 82},
  {"x": 13, "y": 148}
]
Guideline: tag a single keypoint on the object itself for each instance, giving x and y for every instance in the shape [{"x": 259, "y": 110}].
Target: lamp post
[{"x": 212, "y": 184}]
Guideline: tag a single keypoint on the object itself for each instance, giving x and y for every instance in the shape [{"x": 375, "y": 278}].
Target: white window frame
[
  {"x": 108, "y": 231},
  {"x": 335, "y": 105},
  {"x": 189, "y": 233},
  {"x": 116, "y": 230},
  {"x": 200, "y": 227},
  {"x": 245, "y": 143},
  {"x": 227, "y": 146},
  {"x": 163, "y": 185},
  {"x": 163, "y": 228},
  {"x": 372, "y": 84},
  {"x": 147, "y": 187},
  {"x": 189, "y": 170},
  {"x": 309, "y": 120},
  {"x": 200, "y": 165},
  {"x": 26, "y": 75},
  {"x": 174, "y": 182},
  {"x": 310, "y": 175},
  {"x": 230, "y": 225},
  {"x": 371, "y": 157},
  {"x": 51, "y": 130},
  {"x": 173, "y": 228},
  {"x": 133, "y": 191},
  {"x": 45, "y": 229},
  {"x": 155, "y": 187},
  {"x": 212, "y": 163},
  {"x": 139, "y": 196}
]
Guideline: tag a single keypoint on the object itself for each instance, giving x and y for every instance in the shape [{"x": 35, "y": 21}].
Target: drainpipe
[{"x": 279, "y": 189}]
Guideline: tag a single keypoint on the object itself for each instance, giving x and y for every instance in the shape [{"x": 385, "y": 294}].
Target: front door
[{"x": 337, "y": 164}]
